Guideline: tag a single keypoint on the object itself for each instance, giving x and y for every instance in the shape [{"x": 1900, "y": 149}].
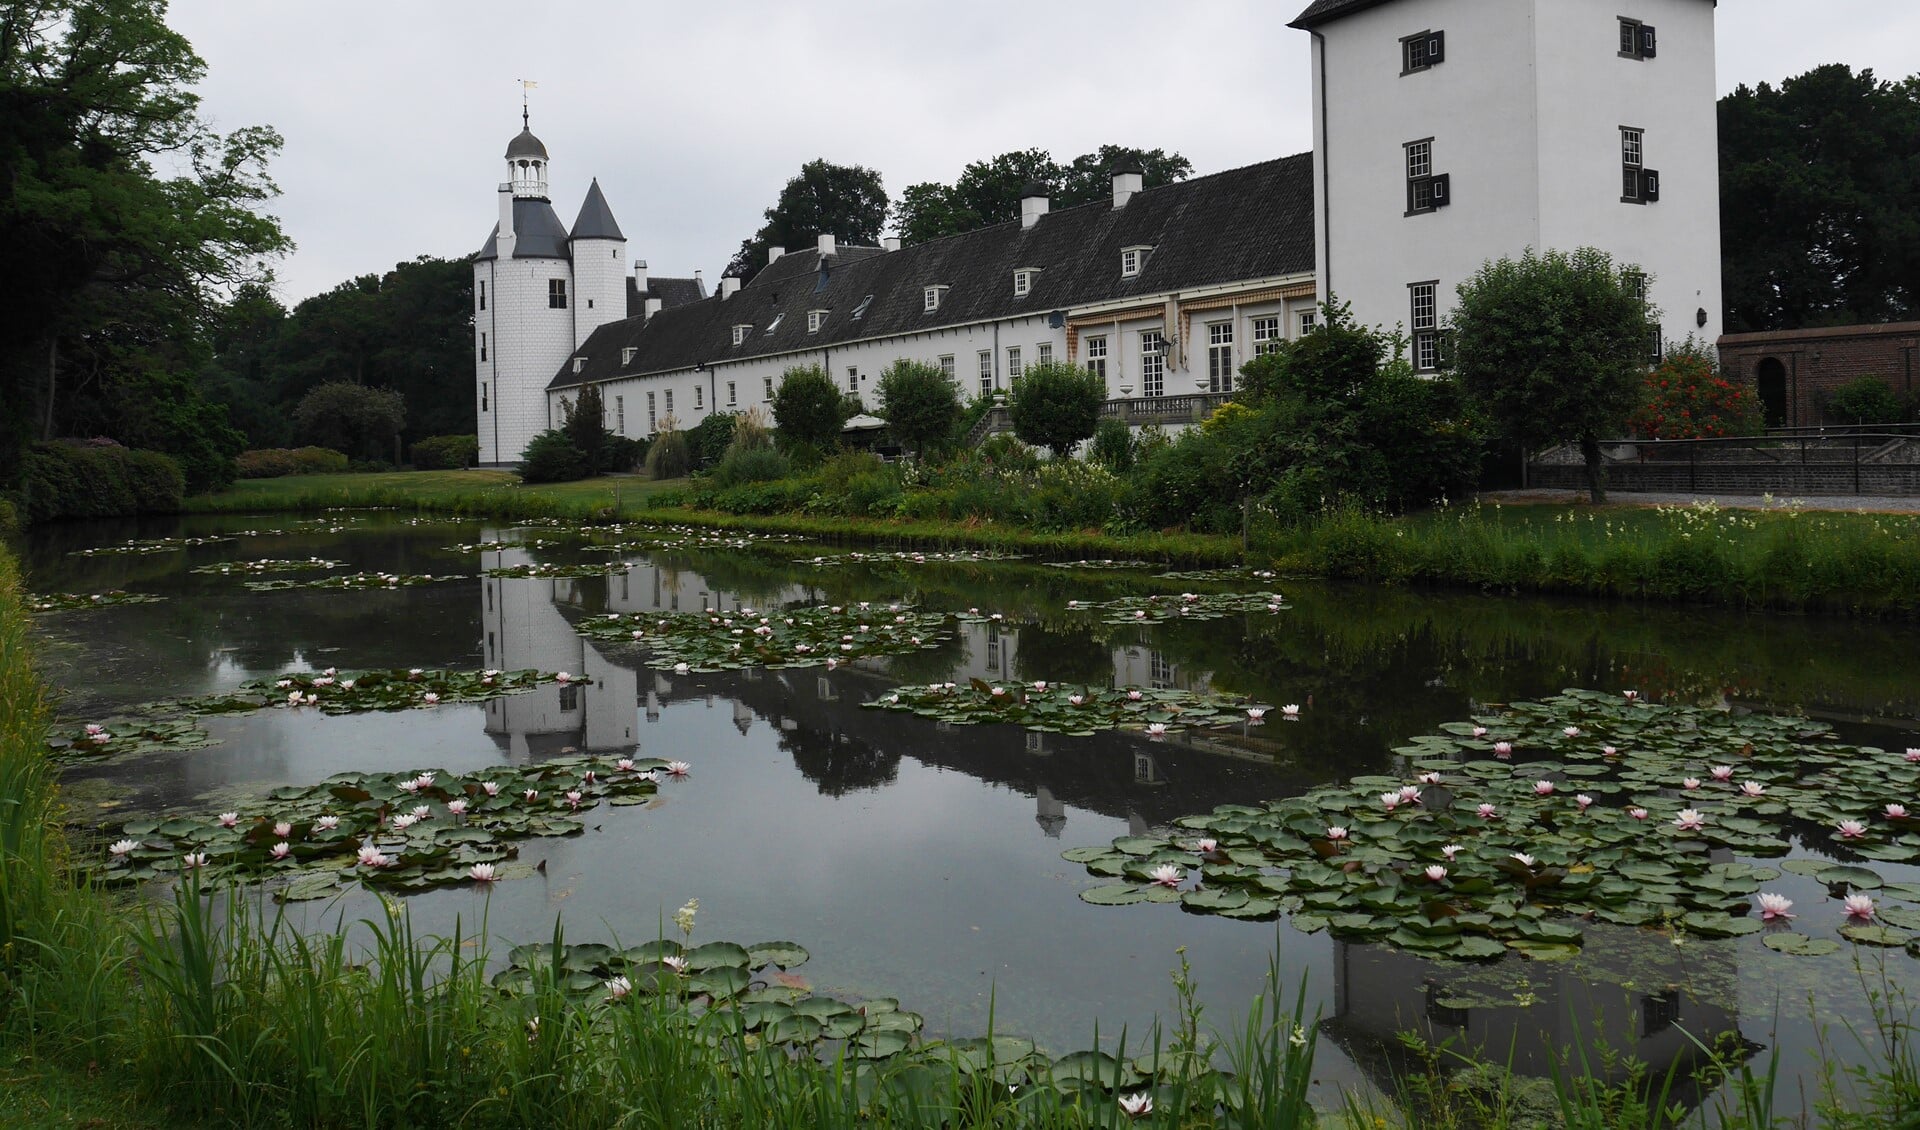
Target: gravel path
[{"x": 1878, "y": 504}]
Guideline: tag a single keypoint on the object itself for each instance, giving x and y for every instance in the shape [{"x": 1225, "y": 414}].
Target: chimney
[
  {"x": 1128, "y": 178},
  {"x": 891, "y": 243},
  {"x": 773, "y": 255},
  {"x": 826, "y": 246},
  {"x": 699, "y": 284},
  {"x": 503, "y": 241},
  {"x": 640, "y": 275},
  {"x": 653, "y": 307},
  {"x": 729, "y": 285},
  {"x": 1033, "y": 204}
]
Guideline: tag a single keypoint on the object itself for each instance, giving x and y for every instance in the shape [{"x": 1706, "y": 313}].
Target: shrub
[
  {"x": 273, "y": 462},
  {"x": 445, "y": 453},
  {"x": 81, "y": 480},
  {"x": 1685, "y": 397},
  {"x": 1865, "y": 400},
  {"x": 1056, "y": 406},
  {"x": 752, "y": 465},
  {"x": 919, "y": 404},
  {"x": 619, "y": 453},
  {"x": 1113, "y": 446},
  {"x": 707, "y": 441},
  {"x": 668, "y": 457},
  {"x": 356, "y": 419},
  {"x": 584, "y": 419},
  {"x": 551, "y": 458},
  {"x": 808, "y": 409},
  {"x": 751, "y": 431},
  {"x": 1003, "y": 452},
  {"x": 9, "y": 518}
]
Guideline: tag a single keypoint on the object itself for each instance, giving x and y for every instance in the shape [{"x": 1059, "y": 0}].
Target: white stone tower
[
  {"x": 538, "y": 291},
  {"x": 1451, "y": 132}
]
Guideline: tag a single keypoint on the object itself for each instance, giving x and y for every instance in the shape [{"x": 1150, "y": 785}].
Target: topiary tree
[
  {"x": 550, "y": 457},
  {"x": 1865, "y": 400},
  {"x": 919, "y": 403},
  {"x": 1685, "y": 397},
  {"x": 1555, "y": 345},
  {"x": 808, "y": 408},
  {"x": 1056, "y": 406},
  {"x": 584, "y": 420},
  {"x": 358, "y": 420}
]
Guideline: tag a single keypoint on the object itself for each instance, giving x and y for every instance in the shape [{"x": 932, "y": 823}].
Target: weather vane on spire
[{"x": 526, "y": 84}]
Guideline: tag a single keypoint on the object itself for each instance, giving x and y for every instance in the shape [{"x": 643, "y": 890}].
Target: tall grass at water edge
[{"x": 1789, "y": 559}]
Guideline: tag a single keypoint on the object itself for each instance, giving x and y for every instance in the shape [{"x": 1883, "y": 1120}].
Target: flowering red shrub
[{"x": 1685, "y": 397}]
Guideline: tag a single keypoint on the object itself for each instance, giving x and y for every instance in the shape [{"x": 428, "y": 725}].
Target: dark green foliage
[
  {"x": 584, "y": 419},
  {"x": 1865, "y": 400},
  {"x": 669, "y": 456},
  {"x": 551, "y": 458},
  {"x": 363, "y": 422},
  {"x": 274, "y": 462},
  {"x": 988, "y": 192},
  {"x": 847, "y": 202},
  {"x": 1113, "y": 446},
  {"x": 621, "y": 454},
  {"x": 1820, "y": 201},
  {"x": 75, "y": 480},
  {"x": 1056, "y": 406},
  {"x": 161, "y": 409},
  {"x": 751, "y": 465},
  {"x": 708, "y": 440},
  {"x": 445, "y": 453},
  {"x": 1554, "y": 345},
  {"x": 919, "y": 404},
  {"x": 808, "y": 409}
]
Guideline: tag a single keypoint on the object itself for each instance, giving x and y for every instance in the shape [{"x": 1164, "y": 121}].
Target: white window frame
[
  {"x": 931, "y": 298},
  {"x": 946, "y": 366},
  {"x": 556, "y": 294},
  {"x": 1309, "y": 320},
  {"x": 815, "y": 319},
  {"x": 733, "y": 396},
  {"x": 653, "y": 419},
  {"x": 1097, "y": 356},
  {"x": 740, "y": 333},
  {"x": 620, "y": 415},
  {"x": 1133, "y": 260},
  {"x": 986, "y": 372},
  {"x": 1014, "y": 365},
  {"x": 699, "y": 398},
  {"x": 666, "y": 400},
  {"x": 1265, "y": 329},
  {"x": 1043, "y": 353},
  {"x": 1023, "y": 281},
  {"x": 768, "y": 384},
  {"x": 1423, "y": 303},
  {"x": 853, "y": 379},
  {"x": 1419, "y": 159},
  {"x": 1219, "y": 356},
  {"x": 1153, "y": 363},
  {"x": 483, "y": 345}
]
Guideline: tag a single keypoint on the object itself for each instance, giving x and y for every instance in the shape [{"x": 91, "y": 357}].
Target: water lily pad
[
  {"x": 1876, "y": 935},
  {"x": 1800, "y": 944},
  {"x": 1860, "y": 878},
  {"x": 1116, "y": 895},
  {"x": 785, "y": 955},
  {"x": 715, "y": 955}
]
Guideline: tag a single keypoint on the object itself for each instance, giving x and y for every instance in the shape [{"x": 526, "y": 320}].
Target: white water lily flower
[
  {"x": 1167, "y": 875},
  {"x": 483, "y": 873},
  {"x": 1137, "y": 1105},
  {"x": 1522, "y": 858},
  {"x": 326, "y": 823},
  {"x": 283, "y": 829},
  {"x": 281, "y": 850},
  {"x": 122, "y": 848},
  {"x": 678, "y": 768},
  {"x": 1291, "y": 711}
]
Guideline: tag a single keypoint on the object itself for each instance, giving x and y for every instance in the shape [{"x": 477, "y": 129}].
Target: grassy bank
[{"x": 1785, "y": 559}]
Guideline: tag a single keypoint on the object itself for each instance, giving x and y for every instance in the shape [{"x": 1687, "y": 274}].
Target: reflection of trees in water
[
  {"x": 932, "y": 664},
  {"x": 1063, "y": 654},
  {"x": 752, "y": 578},
  {"x": 837, "y": 764}
]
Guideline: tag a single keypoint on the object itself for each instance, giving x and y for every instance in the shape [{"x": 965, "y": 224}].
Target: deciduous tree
[
  {"x": 1056, "y": 406},
  {"x": 808, "y": 409},
  {"x": 919, "y": 403},
  {"x": 847, "y": 202}
]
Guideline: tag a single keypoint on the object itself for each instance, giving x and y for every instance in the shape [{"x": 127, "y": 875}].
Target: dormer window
[
  {"x": 775, "y": 324},
  {"x": 933, "y": 297},
  {"x": 579, "y": 363},
  {"x": 1023, "y": 281},
  {"x": 740, "y": 332},
  {"x": 1132, "y": 259},
  {"x": 815, "y": 319},
  {"x": 626, "y": 355},
  {"x": 861, "y": 310}
]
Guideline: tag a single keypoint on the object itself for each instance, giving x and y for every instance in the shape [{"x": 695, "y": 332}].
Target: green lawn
[
  {"x": 428, "y": 488},
  {"x": 39, "y": 1095}
]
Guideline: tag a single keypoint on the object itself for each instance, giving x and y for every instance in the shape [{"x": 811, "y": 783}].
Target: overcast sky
[{"x": 693, "y": 115}]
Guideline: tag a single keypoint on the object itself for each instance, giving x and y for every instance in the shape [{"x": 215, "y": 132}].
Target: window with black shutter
[
  {"x": 1637, "y": 40},
  {"x": 1426, "y": 189},
  {"x": 1422, "y": 51},
  {"x": 1638, "y": 184}
]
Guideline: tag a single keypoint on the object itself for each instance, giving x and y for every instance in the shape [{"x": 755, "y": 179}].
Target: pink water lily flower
[
  {"x": 1860, "y": 906},
  {"x": 1583, "y": 800},
  {"x": 1609, "y": 751},
  {"x": 422, "y": 812},
  {"x": 1451, "y": 850},
  {"x": 1896, "y": 811},
  {"x": 1336, "y": 833},
  {"x": 1133, "y": 696},
  {"x": 1041, "y": 686},
  {"x": 430, "y": 698},
  {"x": 326, "y": 823},
  {"x": 531, "y": 794},
  {"x": 194, "y": 860},
  {"x": 1167, "y": 875},
  {"x": 483, "y": 873},
  {"x": 1852, "y": 829},
  {"x": 1390, "y": 801},
  {"x": 404, "y": 821},
  {"x": 562, "y": 677},
  {"x": 997, "y": 691},
  {"x": 283, "y": 829},
  {"x": 229, "y": 819},
  {"x": 1479, "y": 731},
  {"x": 1486, "y": 812},
  {"x": 678, "y": 768},
  {"x": 1543, "y": 788},
  {"x": 618, "y": 988},
  {"x": 1690, "y": 783},
  {"x": 573, "y": 798},
  {"x": 281, "y": 850},
  {"x": 1571, "y": 731},
  {"x": 1637, "y": 812},
  {"x": 1774, "y": 906},
  {"x": 681, "y": 669},
  {"x": 1913, "y": 755},
  {"x": 1206, "y": 847},
  {"x": 1291, "y": 712},
  {"x": 1428, "y": 778},
  {"x": 1753, "y": 789},
  {"x": 1076, "y": 699},
  {"x": 371, "y": 856},
  {"x": 491, "y": 788},
  {"x": 1409, "y": 794},
  {"x": 1630, "y": 695},
  {"x": 1435, "y": 872},
  {"x": 1722, "y": 772},
  {"x": 675, "y": 962},
  {"x": 457, "y": 807},
  {"x": 1689, "y": 820},
  {"x": 1136, "y": 1105},
  {"x": 122, "y": 848},
  {"x": 1503, "y": 749},
  {"x": 1256, "y": 713},
  {"x": 832, "y": 663}
]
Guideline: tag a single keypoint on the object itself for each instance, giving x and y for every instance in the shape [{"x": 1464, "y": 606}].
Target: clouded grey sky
[{"x": 693, "y": 115}]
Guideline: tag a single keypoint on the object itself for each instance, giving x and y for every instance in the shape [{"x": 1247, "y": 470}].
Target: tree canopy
[
  {"x": 1055, "y": 406},
  {"x": 919, "y": 403},
  {"x": 847, "y": 202},
  {"x": 988, "y": 192},
  {"x": 808, "y": 409},
  {"x": 1820, "y": 201},
  {"x": 1555, "y": 344},
  {"x": 120, "y": 268}
]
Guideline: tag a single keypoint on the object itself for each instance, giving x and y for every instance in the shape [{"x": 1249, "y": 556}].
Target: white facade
[
  {"x": 523, "y": 338},
  {"x": 1524, "y": 114}
]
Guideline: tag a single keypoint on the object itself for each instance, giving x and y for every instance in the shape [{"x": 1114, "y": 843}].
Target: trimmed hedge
[
  {"x": 273, "y": 462},
  {"x": 446, "y": 453},
  {"x": 76, "y": 479}
]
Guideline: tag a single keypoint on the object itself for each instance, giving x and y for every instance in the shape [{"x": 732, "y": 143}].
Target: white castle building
[{"x": 1446, "y": 133}]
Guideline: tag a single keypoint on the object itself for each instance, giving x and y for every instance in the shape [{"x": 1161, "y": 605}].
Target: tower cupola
[{"x": 527, "y": 162}]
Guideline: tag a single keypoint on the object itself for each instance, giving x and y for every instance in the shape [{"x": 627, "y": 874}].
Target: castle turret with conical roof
[{"x": 599, "y": 255}]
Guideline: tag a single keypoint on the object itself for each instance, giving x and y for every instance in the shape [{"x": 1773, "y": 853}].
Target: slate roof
[
  {"x": 524, "y": 144},
  {"x": 670, "y": 292},
  {"x": 596, "y": 219},
  {"x": 1248, "y": 223},
  {"x": 1324, "y": 11},
  {"x": 537, "y": 231}
]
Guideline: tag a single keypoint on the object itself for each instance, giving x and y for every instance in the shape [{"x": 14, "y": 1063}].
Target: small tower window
[
  {"x": 483, "y": 294},
  {"x": 556, "y": 294},
  {"x": 483, "y": 346}
]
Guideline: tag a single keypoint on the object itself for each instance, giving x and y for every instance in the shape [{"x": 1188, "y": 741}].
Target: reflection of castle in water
[{"x": 1630, "y": 991}]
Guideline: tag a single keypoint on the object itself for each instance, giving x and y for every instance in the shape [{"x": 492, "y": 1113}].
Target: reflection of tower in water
[{"x": 524, "y": 629}]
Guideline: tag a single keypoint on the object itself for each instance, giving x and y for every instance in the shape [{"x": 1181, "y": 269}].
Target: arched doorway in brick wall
[{"x": 1771, "y": 378}]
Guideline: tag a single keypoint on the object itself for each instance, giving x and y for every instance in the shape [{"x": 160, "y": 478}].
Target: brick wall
[{"x": 1795, "y": 370}]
